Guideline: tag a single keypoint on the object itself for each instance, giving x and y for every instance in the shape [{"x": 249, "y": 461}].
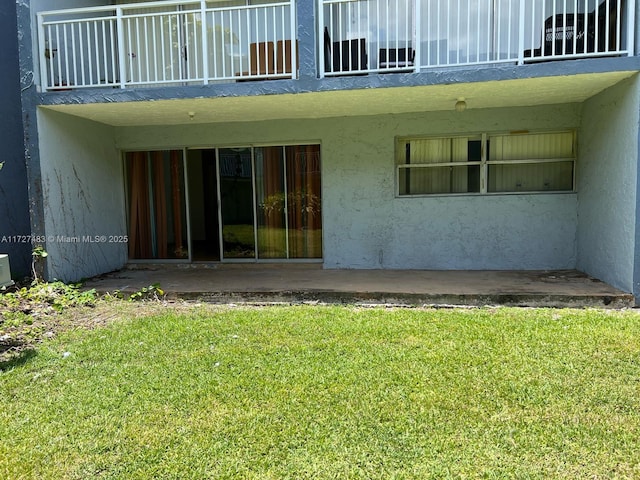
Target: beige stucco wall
[
  {"x": 367, "y": 226},
  {"x": 83, "y": 196},
  {"x": 607, "y": 182}
]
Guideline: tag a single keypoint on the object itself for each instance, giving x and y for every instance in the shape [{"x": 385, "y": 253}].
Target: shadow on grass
[{"x": 16, "y": 359}]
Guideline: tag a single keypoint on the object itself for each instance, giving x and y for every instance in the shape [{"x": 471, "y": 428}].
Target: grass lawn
[{"x": 329, "y": 392}]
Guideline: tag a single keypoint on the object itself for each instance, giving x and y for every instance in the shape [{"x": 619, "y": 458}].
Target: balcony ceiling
[{"x": 343, "y": 103}]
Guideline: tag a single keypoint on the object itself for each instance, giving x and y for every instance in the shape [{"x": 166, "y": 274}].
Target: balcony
[
  {"x": 415, "y": 35},
  {"x": 202, "y": 42},
  {"x": 166, "y": 43}
]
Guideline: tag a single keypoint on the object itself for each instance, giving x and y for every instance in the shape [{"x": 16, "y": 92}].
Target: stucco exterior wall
[
  {"x": 606, "y": 180},
  {"x": 83, "y": 197},
  {"x": 367, "y": 226}
]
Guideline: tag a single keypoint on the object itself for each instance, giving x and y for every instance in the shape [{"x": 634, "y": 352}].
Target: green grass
[{"x": 330, "y": 392}]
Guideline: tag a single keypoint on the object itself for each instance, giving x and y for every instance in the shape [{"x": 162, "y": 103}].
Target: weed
[
  {"x": 38, "y": 255},
  {"x": 152, "y": 292},
  {"x": 22, "y": 311}
]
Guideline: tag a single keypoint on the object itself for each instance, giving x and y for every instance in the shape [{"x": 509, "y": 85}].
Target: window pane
[
  {"x": 433, "y": 150},
  {"x": 203, "y": 204},
  {"x": 157, "y": 212},
  {"x": 304, "y": 212},
  {"x": 531, "y": 177},
  {"x": 236, "y": 193},
  {"x": 271, "y": 202},
  {"x": 433, "y": 180},
  {"x": 532, "y": 146}
]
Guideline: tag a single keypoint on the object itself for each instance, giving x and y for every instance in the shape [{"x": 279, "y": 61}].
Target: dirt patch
[{"x": 25, "y": 323}]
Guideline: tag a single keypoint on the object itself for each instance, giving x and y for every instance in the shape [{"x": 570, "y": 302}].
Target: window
[{"x": 486, "y": 163}]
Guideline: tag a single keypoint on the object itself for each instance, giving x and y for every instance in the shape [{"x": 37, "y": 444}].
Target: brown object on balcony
[
  {"x": 261, "y": 56},
  {"x": 396, "y": 58},
  {"x": 263, "y": 60},
  {"x": 563, "y": 31},
  {"x": 283, "y": 56}
]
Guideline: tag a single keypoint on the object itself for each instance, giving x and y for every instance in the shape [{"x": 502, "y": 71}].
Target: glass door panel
[
  {"x": 236, "y": 198},
  {"x": 157, "y": 208},
  {"x": 304, "y": 215},
  {"x": 202, "y": 174},
  {"x": 271, "y": 202}
]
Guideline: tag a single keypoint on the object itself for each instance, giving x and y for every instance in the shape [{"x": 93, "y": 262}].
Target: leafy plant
[
  {"x": 38, "y": 255},
  {"x": 116, "y": 294},
  {"x": 29, "y": 313},
  {"x": 43, "y": 297},
  {"x": 152, "y": 292}
]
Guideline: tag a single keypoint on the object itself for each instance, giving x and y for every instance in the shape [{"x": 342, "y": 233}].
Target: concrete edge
[{"x": 543, "y": 300}]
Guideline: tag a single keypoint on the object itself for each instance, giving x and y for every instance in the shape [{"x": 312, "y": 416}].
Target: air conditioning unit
[{"x": 5, "y": 271}]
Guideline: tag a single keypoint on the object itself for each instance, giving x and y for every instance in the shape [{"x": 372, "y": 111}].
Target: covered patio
[{"x": 303, "y": 283}]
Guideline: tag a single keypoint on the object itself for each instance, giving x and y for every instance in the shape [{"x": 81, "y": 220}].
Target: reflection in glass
[
  {"x": 238, "y": 235},
  {"x": 271, "y": 202},
  {"x": 304, "y": 201}
]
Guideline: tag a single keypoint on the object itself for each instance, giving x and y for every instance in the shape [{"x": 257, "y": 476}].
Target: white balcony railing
[
  {"x": 170, "y": 42},
  {"x": 362, "y": 36},
  {"x": 199, "y": 41}
]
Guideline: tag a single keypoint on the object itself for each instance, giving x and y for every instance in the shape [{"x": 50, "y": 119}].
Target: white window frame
[{"x": 484, "y": 163}]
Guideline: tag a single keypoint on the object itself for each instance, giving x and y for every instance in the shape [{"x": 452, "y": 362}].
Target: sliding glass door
[
  {"x": 237, "y": 204},
  {"x": 287, "y": 205}
]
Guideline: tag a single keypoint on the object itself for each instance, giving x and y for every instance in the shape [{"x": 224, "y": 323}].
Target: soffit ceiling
[{"x": 344, "y": 103}]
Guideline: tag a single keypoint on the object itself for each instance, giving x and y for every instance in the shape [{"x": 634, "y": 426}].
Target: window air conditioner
[{"x": 5, "y": 271}]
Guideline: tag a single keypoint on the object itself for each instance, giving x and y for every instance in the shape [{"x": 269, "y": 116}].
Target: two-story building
[{"x": 362, "y": 134}]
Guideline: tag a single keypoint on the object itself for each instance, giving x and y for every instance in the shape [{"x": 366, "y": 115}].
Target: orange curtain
[
  {"x": 304, "y": 194},
  {"x": 176, "y": 195},
  {"x": 139, "y": 221},
  {"x": 160, "y": 205},
  {"x": 272, "y": 233},
  {"x": 149, "y": 215}
]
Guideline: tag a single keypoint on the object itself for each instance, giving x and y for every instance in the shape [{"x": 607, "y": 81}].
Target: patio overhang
[{"x": 520, "y": 92}]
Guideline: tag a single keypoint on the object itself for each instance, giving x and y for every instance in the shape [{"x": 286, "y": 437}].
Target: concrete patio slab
[{"x": 298, "y": 283}]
